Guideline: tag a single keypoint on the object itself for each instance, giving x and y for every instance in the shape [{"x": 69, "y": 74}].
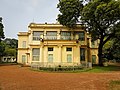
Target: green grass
[
  {"x": 104, "y": 69},
  {"x": 114, "y": 85}
]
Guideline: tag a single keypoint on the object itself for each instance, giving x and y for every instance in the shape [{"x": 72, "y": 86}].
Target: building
[{"x": 54, "y": 44}]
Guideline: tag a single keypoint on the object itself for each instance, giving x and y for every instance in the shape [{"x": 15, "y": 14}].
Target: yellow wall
[
  {"x": 59, "y": 52},
  {"x": 94, "y": 52},
  {"x": 20, "y": 53},
  {"x": 21, "y": 39}
]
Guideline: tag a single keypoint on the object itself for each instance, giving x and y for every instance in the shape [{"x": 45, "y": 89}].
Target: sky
[{"x": 18, "y": 14}]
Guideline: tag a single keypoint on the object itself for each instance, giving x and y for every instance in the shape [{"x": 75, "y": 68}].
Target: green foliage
[
  {"x": 2, "y": 48},
  {"x": 11, "y": 43},
  {"x": 10, "y": 52},
  {"x": 101, "y": 18},
  {"x": 1, "y": 30},
  {"x": 60, "y": 68},
  {"x": 112, "y": 48},
  {"x": 108, "y": 45},
  {"x": 69, "y": 12},
  {"x": 115, "y": 49},
  {"x": 10, "y": 47}
]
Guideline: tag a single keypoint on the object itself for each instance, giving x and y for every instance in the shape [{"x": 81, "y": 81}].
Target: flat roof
[
  {"x": 22, "y": 33},
  {"x": 48, "y": 25}
]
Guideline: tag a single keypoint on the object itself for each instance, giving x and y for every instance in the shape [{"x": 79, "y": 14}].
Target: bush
[{"x": 61, "y": 68}]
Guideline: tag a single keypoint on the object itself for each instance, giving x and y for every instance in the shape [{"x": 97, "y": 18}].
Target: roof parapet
[{"x": 22, "y": 34}]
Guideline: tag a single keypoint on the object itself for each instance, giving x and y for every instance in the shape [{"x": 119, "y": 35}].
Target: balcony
[
  {"x": 55, "y": 37},
  {"x": 65, "y": 38},
  {"x": 50, "y": 37},
  {"x": 37, "y": 38}
]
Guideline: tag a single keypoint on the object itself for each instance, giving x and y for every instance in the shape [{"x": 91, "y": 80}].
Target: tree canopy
[
  {"x": 100, "y": 17},
  {"x": 70, "y": 12},
  {"x": 1, "y": 30},
  {"x": 10, "y": 47},
  {"x": 2, "y": 47}
]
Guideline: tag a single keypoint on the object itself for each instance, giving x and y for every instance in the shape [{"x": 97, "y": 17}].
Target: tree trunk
[
  {"x": 100, "y": 56},
  {"x": 100, "y": 53}
]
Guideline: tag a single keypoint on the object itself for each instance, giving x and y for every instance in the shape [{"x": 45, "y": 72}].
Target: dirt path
[{"x": 22, "y": 78}]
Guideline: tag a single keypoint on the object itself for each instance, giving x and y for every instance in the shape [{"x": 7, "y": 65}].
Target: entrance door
[
  {"x": 93, "y": 59},
  {"x": 23, "y": 59}
]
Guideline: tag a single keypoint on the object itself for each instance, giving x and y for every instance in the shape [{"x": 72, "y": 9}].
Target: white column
[
  {"x": 41, "y": 54},
  {"x": 31, "y": 37},
  {"x": 60, "y": 54},
  {"x": 30, "y": 59}
]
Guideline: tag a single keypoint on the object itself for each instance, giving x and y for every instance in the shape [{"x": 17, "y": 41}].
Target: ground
[{"x": 22, "y": 78}]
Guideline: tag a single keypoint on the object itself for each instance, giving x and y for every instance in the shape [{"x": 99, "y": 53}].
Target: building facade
[{"x": 54, "y": 44}]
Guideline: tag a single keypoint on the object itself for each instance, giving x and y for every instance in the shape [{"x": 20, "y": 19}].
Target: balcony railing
[
  {"x": 50, "y": 37},
  {"x": 38, "y": 38},
  {"x": 65, "y": 38}
]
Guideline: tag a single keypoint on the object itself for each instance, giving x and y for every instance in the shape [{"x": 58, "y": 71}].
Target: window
[
  {"x": 93, "y": 44},
  {"x": 50, "y": 48},
  {"x": 37, "y": 35},
  {"x": 81, "y": 35},
  {"x": 35, "y": 54},
  {"x": 51, "y": 35},
  {"x": 94, "y": 59},
  {"x": 68, "y": 49},
  {"x": 69, "y": 58},
  {"x": 23, "y": 59},
  {"x": 66, "y": 35},
  {"x": 50, "y": 57},
  {"x": 82, "y": 54},
  {"x": 24, "y": 44}
]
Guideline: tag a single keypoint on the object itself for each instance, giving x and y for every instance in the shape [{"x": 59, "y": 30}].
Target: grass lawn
[
  {"x": 104, "y": 69},
  {"x": 114, "y": 85}
]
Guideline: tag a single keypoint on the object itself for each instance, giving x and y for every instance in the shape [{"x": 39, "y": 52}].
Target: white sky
[{"x": 18, "y": 14}]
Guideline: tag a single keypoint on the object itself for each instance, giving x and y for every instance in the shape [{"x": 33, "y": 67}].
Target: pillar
[
  {"x": 60, "y": 53},
  {"x": 41, "y": 54}
]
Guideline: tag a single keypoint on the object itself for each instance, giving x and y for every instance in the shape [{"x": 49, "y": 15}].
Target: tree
[
  {"x": 102, "y": 20},
  {"x": 70, "y": 12},
  {"x": 1, "y": 30},
  {"x": 2, "y": 49},
  {"x": 115, "y": 50},
  {"x": 112, "y": 48},
  {"x": 100, "y": 17},
  {"x": 10, "y": 47},
  {"x": 12, "y": 43},
  {"x": 10, "y": 52}
]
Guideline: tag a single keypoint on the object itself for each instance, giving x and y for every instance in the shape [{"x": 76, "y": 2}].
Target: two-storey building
[{"x": 54, "y": 44}]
